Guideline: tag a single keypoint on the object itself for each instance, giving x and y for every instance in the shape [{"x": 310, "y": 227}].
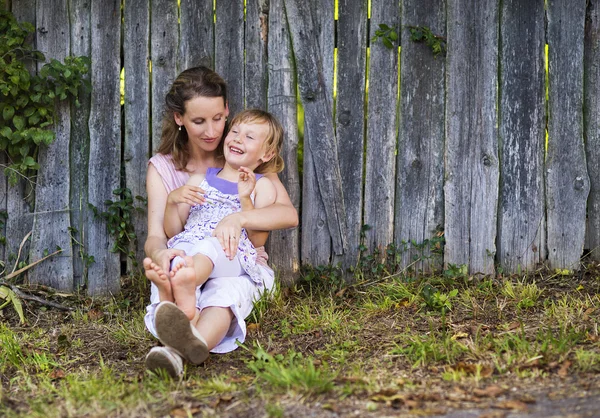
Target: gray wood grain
[
  {"x": 19, "y": 202},
  {"x": 567, "y": 180},
  {"x": 105, "y": 142},
  {"x": 51, "y": 218},
  {"x": 256, "y": 37},
  {"x": 229, "y": 50},
  {"x": 3, "y": 208},
  {"x": 471, "y": 188},
  {"x": 317, "y": 108},
  {"x": 163, "y": 46},
  {"x": 420, "y": 180},
  {"x": 521, "y": 223},
  {"x": 592, "y": 124},
  {"x": 283, "y": 246},
  {"x": 315, "y": 248},
  {"x": 196, "y": 34},
  {"x": 136, "y": 149},
  {"x": 349, "y": 117},
  {"x": 79, "y": 146}
]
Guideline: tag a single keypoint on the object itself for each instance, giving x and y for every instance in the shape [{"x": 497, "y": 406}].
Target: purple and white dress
[
  {"x": 222, "y": 199},
  {"x": 237, "y": 293}
]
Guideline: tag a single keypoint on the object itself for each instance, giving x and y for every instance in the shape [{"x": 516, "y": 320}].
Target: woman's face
[{"x": 204, "y": 121}]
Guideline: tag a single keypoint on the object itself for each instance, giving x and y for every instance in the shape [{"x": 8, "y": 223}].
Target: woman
[{"x": 193, "y": 128}]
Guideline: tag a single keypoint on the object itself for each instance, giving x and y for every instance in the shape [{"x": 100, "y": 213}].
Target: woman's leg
[{"x": 213, "y": 324}]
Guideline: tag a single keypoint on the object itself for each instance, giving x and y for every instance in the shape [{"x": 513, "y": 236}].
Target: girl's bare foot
[
  {"x": 183, "y": 282},
  {"x": 160, "y": 279}
]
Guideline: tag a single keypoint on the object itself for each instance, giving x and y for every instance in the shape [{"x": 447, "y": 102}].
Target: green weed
[{"x": 292, "y": 372}]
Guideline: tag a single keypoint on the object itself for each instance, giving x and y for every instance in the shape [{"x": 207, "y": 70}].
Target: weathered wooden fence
[{"x": 397, "y": 139}]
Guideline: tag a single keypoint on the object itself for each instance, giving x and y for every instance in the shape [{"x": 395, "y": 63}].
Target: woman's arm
[
  {"x": 156, "y": 243},
  {"x": 280, "y": 215}
]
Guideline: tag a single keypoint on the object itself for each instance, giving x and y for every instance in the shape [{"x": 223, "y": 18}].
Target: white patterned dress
[{"x": 222, "y": 199}]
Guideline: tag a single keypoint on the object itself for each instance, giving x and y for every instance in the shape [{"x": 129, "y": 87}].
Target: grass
[{"x": 373, "y": 347}]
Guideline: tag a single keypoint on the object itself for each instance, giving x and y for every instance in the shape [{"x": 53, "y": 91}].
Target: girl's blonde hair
[
  {"x": 194, "y": 82},
  {"x": 273, "y": 142}
]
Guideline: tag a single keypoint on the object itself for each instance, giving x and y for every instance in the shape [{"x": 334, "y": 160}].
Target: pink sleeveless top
[{"x": 173, "y": 179}]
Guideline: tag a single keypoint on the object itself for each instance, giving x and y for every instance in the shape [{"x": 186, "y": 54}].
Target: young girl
[{"x": 252, "y": 145}]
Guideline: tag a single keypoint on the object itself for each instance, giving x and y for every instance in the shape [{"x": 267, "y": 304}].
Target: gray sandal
[
  {"x": 175, "y": 331},
  {"x": 164, "y": 358}
]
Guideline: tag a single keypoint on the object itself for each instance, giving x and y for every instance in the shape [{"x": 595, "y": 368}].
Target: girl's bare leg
[
  {"x": 160, "y": 279},
  {"x": 184, "y": 280},
  {"x": 213, "y": 324}
]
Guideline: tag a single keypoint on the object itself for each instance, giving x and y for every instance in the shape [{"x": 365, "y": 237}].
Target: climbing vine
[{"x": 28, "y": 99}]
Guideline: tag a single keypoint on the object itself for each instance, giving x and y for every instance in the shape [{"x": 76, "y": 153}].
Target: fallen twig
[{"x": 37, "y": 299}]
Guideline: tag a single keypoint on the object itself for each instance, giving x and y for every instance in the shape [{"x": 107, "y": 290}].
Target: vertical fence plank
[
  {"x": 229, "y": 50},
  {"x": 51, "y": 219},
  {"x": 382, "y": 130},
  {"x": 196, "y": 34},
  {"x": 319, "y": 127},
  {"x": 592, "y": 123},
  {"x": 349, "y": 116},
  {"x": 420, "y": 201},
  {"x": 105, "y": 142},
  {"x": 521, "y": 224},
  {"x": 163, "y": 49},
  {"x": 471, "y": 189},
  {"x": 19, "y": 200},
  {"x": 79, "y": 147},
  {"x": 284, "y": 253},
  {"x": 567, "y": 181},
  {"x": 315, "y": 248},
  {"x": 137, "y": 109},
  {"x": 256, "y": 34}
]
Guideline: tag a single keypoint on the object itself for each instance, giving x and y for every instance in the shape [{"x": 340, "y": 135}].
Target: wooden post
[
  {"x": 256, "y": 36},
  {"x": 592, "y": 124},
  {"x": 419, "y": 211},
  {"x": 471, "y": 188},
  {"x": 283, "y": 246},
  {"x": 318, "y": 117},
  {"x": 137, "y": 112},
  {"x": 567, "y": 180},
  {"x": 163, "y": 47},
  {"x": 20, "y": 197},
  {"x": 196, "y": 34},
  {"x": 229, "y": 50},
  {"x": 51, "y": 219},
  {"x": 315, "y": 248},
  {"x": 349, "y": 117},
  {"x": 521, "y": 218},
  {"x": 105, "y": 142},
  {"x": 79, "y": 147}
]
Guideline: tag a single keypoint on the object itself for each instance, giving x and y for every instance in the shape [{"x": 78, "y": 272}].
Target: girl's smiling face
[
  {"x": 204, "y": 121},
  {"x": 244, "y": 145}
]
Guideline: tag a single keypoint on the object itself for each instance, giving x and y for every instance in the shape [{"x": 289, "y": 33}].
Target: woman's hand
[
  {"x": 192, "y": 195},
  {"x": 228, "y": 233},
  {"x": 163, "y": 257},
  {"x": 246, "y": 182}
]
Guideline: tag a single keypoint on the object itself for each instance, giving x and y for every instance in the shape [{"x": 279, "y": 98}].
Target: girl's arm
[
  {"x": 280, "y": 215},
  {"x": 179, "y": 202},
  {"x": 264, "y": 195}
]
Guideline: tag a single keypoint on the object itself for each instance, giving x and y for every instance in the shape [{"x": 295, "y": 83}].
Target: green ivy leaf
[
  {"x": 19, "y": 122},
  {"x": 8, "y": 112}
]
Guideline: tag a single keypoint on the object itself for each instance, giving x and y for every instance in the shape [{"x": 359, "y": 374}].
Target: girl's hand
[
  {"x": 246, "y": 182},
  {"x": 191, "y": 195},
  {"x": 228, "y": 233}
]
